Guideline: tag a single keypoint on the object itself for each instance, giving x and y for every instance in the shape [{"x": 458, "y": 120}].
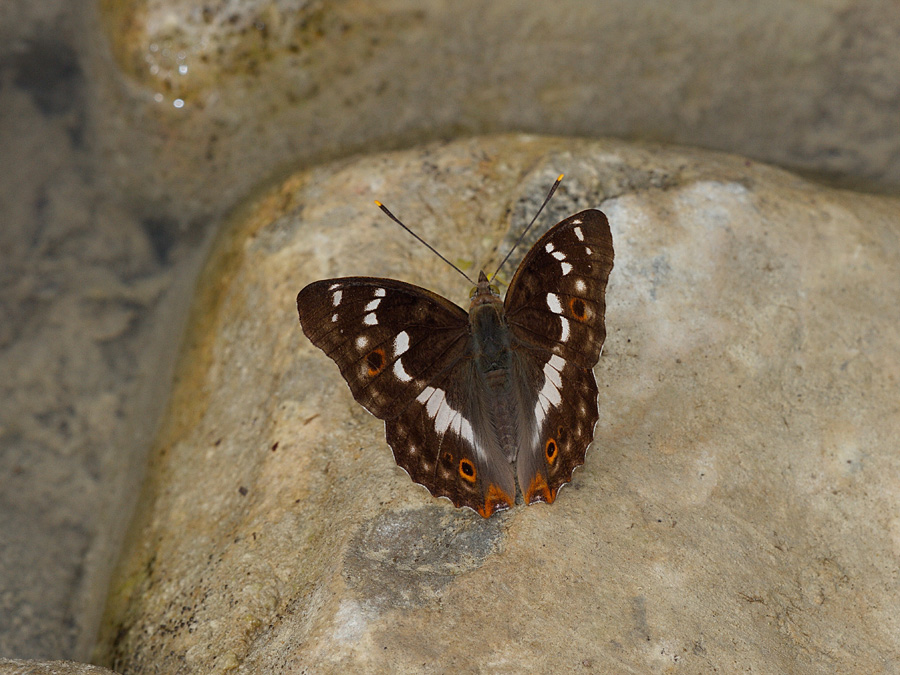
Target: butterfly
[{"x": 484, "y": 405}]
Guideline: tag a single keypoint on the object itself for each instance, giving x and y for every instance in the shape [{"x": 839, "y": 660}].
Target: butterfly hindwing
[
  {"x": 439, "y": 440},
  {"x": 565, "y": 413},
  {"x": 388, "y": 338}
]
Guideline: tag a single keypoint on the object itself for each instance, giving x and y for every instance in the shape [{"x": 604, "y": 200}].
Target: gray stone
[
  {"x": 805, "y": 84},
  {"x": 27, "y": 667},
  {"x": 115, "y": 190},
  {"x": 738, "y": 507}
]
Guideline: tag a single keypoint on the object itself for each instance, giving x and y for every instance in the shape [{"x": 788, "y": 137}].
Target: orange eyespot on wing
[
  {"x": 467, "y": 470},
  {"x": 551, "y": 451},
  {"x": 376, "y": 361},
  {"x": 578, "y": 308}
]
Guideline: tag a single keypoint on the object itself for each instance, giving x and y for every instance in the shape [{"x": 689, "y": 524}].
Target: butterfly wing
[
  {"x": 388, "y": 338},
  {"x": 444, "y": 444},
  {"x": 555, "y": 308},
  {"x": 405, "y": 353}
]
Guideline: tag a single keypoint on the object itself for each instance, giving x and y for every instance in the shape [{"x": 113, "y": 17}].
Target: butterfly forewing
[
  {"x": 556, "y": 300},
  {"x": 388, "y": 338}
]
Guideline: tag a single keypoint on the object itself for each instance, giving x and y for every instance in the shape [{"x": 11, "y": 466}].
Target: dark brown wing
[
  {"x": 404, "y": 351},
  {"x": 555, "y": 309},
  {"x": 557, "y": 299},
  {"x": 389, "y": 338},
  {"x": 444, "y": 443}
]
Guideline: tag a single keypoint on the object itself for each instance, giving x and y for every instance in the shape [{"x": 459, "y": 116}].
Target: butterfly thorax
[
  {"x": 490, "y": 334},
  {"x": 484, "y": 293},
  {"x": 490, "y": 341}
]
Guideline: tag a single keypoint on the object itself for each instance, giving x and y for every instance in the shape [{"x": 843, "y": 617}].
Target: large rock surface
[
  {"x": 113, "y": 190},
  {"x": 738, "y": 508},
  {"x": 239, "y": 88}
]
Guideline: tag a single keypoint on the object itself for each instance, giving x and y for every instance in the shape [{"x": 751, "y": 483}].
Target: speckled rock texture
[
  {"x": 28, "y": 667},
  {"x": 738, "y": 507}
]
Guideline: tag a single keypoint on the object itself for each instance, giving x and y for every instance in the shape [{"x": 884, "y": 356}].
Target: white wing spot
[
  {"x": 401, "y": 343},
  {"x": 465, "y": 430},
  {"x": 553, "y": 303},
  {"x": 580, "y": 286},
  {"x": 334, "y": 287},
  {"x": 539, "y": 414},
  {"x": 372, "y": 306},
  {"x": 556, "y": 362},
  {"x": 370, "y": 320},
  {"x": 432, "y": 398},
  {"x": 461, "y": 427},
  {"x": 587, "y": 249},
  {"x": 334, "y": 318},
  {"x": 547, "y": 398},
  {"x": 578, "y": 232},
  {"x": 550, "y": 391},
  {"x": 361, "y": 342},
  {"x": 549, "y": 395},
  {"x": 336, "y": 298},
  {"x": 455, "y": 421},
  {"x": 549, "y": 247},
  {"x": 559, "y": 255},
  {"x": 566, "y": 268},
  {"x": 401, "y": 374},
  {"x": 552, "y": 375},
  {"x": 565, "y": 329},
  {"x": 444, "y": 416},
  {"x": 379, "y": 292}
]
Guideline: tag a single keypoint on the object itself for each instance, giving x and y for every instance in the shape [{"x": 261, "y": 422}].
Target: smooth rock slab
[{"x": 738, "y": 510}]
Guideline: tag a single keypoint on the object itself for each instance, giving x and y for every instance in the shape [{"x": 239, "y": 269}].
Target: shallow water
[{"x": 93, "y": 281}]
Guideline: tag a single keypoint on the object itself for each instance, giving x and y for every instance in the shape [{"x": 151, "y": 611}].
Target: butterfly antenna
[
  {"x": 525, "y": 231},
  {"x": 429, "y": 246}
]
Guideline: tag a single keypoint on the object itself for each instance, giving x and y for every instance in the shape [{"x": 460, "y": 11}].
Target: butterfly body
[{"x": 484, "y": 405}]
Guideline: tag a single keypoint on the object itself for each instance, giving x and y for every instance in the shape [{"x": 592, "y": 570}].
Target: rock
[
  {"x": 29, "y": 667},
  {"x": 240, "y": 88},
  {"x": 737, "y": 509}
]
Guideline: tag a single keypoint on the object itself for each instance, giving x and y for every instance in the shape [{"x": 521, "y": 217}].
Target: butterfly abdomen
[{"x": 492, "y": 358}]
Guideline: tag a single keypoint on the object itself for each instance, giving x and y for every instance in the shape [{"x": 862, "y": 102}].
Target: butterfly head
[{"x": 484, "y": 292}]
